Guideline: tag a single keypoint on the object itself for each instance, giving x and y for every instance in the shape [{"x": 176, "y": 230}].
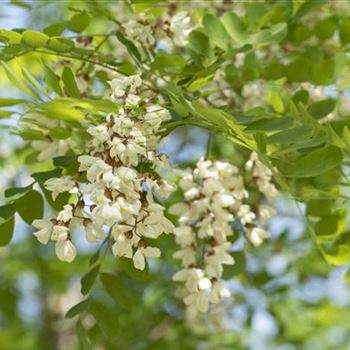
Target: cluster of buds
[{"x": 214, "y": 198}]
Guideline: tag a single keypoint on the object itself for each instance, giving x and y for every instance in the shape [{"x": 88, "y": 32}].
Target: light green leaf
[
  {"x": 52, "y": 80},
  {"x": 34, "y": 39},
  {"x": 216, "y": 31},
  {"x": 59, "y": 133},
  {"x": 173, "y": 64},
  {"x": 70, "y": 83},
  {"x": 59, "y": 44},
  {"x": 79, "y": 22},
  {"x": 235, "y": 28},
  {"x": 10, "y": 37}
]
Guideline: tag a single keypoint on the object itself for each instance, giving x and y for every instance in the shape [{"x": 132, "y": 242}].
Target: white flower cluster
[
  {"x": 121, "y": 181},
  {"x": 215, "y": 196},
  {"x": 58, "y": 230},
  {"x": 144, "y": 33}
]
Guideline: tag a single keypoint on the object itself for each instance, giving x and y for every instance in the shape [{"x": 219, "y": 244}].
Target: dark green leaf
[
  {"x": 314, "y": 163},
  {"x": 322, "y": 108},
  {"x": 70, "y": 83},
  {"x": 133, "y": 51},
  {"x": 89, "y": 279},
  {"x": 115, "y": 287},
  {"x": 6, "y": 231},
  {"x": 77, "y": 309},
  {"x": 30, "y": 206}
]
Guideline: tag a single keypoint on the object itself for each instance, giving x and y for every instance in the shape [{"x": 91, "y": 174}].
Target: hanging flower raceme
[
  {"x": 214, "y": 197},
  {"x": 118, "y": 196}
]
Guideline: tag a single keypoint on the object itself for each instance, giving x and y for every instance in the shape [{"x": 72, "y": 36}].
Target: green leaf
[
  {"x": 6, "y": 231},
  {"x": 17, "y": 191},
  {"x": 301, "y": 96},
  {"x": 331, "y": 225},
  {"x": 338, "y": 255},
  {"x": 323, "y": 72},
  {"x": 319, "y": 207},
  {"x": 133, "y": 51},
  {"x": 274, "y": 34},
  {"x": 83, "y": 337},
  {"x": 18, "y": 81},
  {"x": 298, "y": 70},
  {"x": 199, "y": 43},
  {"x": 5, "y": 114},
  {"x": 79, "y": 22},
  {"x": 70, "y": 83},
  {"x": 106, "y": 320},
  {"x": 69, "y": 163},
  {"x": 52, "y": 80},
  {"x": 115, "y": 287},
  {"x": 173, "y": 64},
  {"x": 55, "y": 29},
  {"x": 34, "y": 39},
  {"x": 7, "y": 211},
  {"x": 271, "y": 124},
  {"x": 59, "y": 133},
  {"x": 89, "y": 279},
  {"x": 6, "y": 102},
  {"x": 216, "y": 31},
  {"x": 322, "y": 108},
  {"x": 10, "y": 37},
  {"x": 344, "y": 31},
  {"x": 30, "y": 206},
  {"x": 41, "y": 177},
  {"x": 61, "y": 109},
  {"x": 59, "y": 44},
  {"x": 324, "y": 29},
  {"x": 77, "y": 309},
  {"x": 313, "y": 164},
  {"x": 291, "y": 135},
  {"x": 235, "y": 28}
]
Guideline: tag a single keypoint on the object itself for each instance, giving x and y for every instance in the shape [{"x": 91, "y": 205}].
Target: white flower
[
  {"x": 257, "y": 235},
  {"x": 142, "y": 253},
  {"x": 59, "y": 233},
  {"x": 180, "y": 26},
  {"x": 65, "y": 250},
  {"x": 123, "y": 246},
  {"x": 198, "y": 300},
  {"x": 265, "y": 213},
  {"x": 93, "y": 232},
  {"x": 141, "y": 33},
  {"x": 66, "y": 214},
  {"x": 184, "y": 235},
  {"x": 218, "y": 292},
  {"x": 121, "y": 85},
  {"x": 45, "y": 230},
  {"x": 58, "y": 185},
  {"x": 245, "y": 214}
]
